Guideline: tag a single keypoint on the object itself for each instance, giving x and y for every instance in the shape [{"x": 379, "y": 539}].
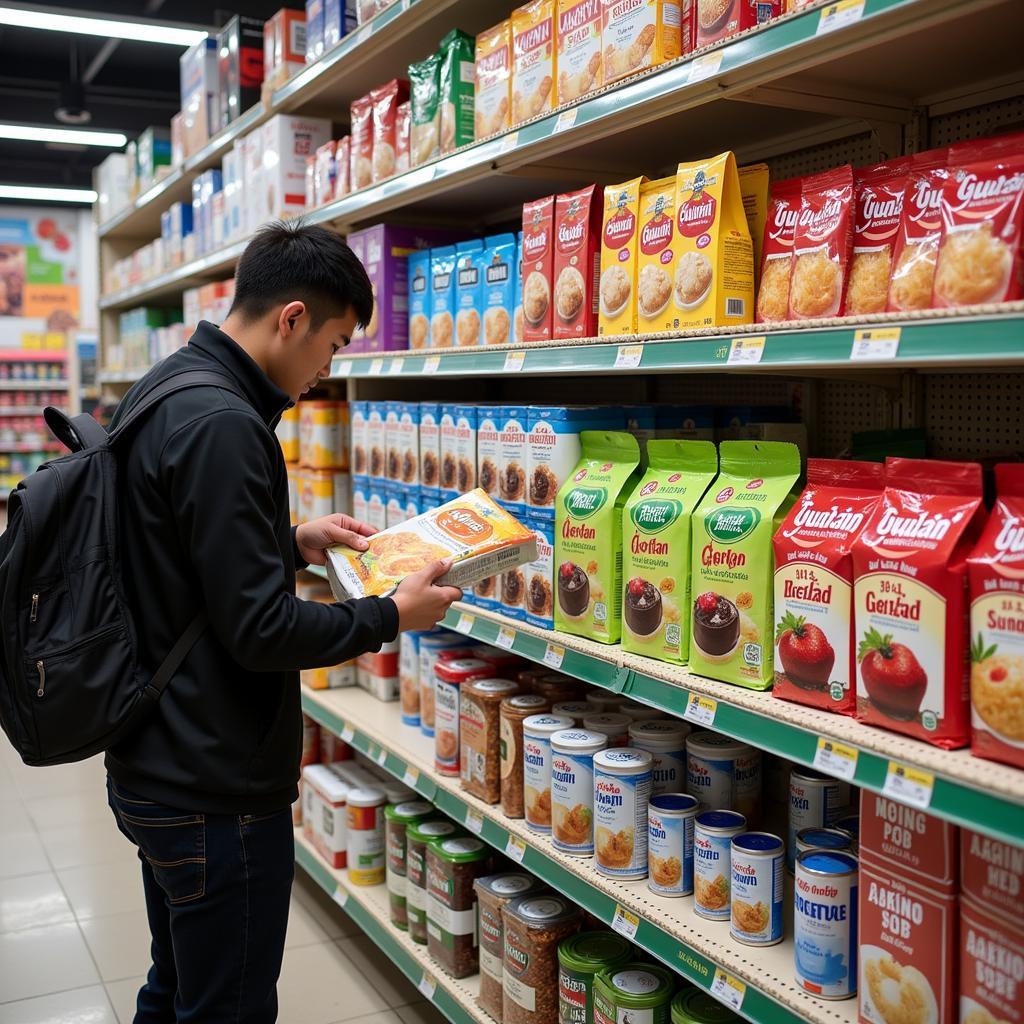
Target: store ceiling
[{"x": 128, "y": 85}]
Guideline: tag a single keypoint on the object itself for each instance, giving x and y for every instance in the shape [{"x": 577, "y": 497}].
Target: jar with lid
[
  {"x": 537, "y": 733},
  {"x": 665, "y": 738},
  {"x": 577, "y": 710},
  {"x": 514, "y": 711},
  {"x": 432, "y": 647},
  {"x": 603, "y": 701},
  {"x": 580, "y": 958},
  {"x": 640, "y": 712},
  {"x": 453, "y": 865},
  {"x": 613, "y": 724},
  {"x": 416, "y": 838},
  {"x": 557, "y": 687},
  {"x": 637, "y": 987},
  {"x": 534, "y": 926},
  {"x": 397, "y": 819},
  {"x": 449, "y": 676},
  {"x": 480, "y": 736},
  {"x": 365, "y": 855}
]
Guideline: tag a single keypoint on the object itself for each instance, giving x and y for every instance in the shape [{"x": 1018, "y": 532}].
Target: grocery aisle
[{"x": 73, "y": 939}]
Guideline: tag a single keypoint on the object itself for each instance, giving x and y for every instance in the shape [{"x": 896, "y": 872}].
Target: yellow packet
[
  {"x": 754, "y": 181},
  {"x": 579, "y": 48},
  {"x": 656, "y": 256},
  {"x": 639, "y": 34},
  {"x": 617, "y": 309},
  {"x": 535, "y": 60},
  {"x": 493, "y": 80}
]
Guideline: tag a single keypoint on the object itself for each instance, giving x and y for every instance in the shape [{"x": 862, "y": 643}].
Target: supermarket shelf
[
  {"x": 38, "y": 355},
  {"x": 33, "y": 385},
  {"x": 26, "y": 410},
  {"x": 668, "y": 928},
  {"x": 368, "y": 907}
]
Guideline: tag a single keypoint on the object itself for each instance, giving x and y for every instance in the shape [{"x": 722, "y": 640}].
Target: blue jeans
[{"x": 217, "y": 894}]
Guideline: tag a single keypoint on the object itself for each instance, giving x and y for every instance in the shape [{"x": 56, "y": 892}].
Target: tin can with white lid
[
  {"x": 724, "y": 773},
  {"x": 815, "y": 801},
  {"x": 603, "y": 701},
  {"x": 665, "y": 738},
  {"x": 577, "y": 710},
  {"x": 639, "y": 712},
  {"x": 670, "y": 820},
  {"x": 537, "y": 733},
  {"x": 825, "y": 923},
  {"x": 713, "y": 833},
  {"x": 756, "y": 889},
  {"x": 365, "y": 820},
  {"x": 622, "y": 787},
  {"x": 612, "y": 723},
  {"x": 572, "y": 789}
]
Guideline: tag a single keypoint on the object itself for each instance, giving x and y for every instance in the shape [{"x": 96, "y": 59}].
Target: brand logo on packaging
[
  {"x": 583, "y": 502},
  {"x": 653, "y": 516},
  {"x": 464, "y": 525},
  {"x": 657, "y": 232},
  {"x": 620, "y": 227},
  {"x": 923, "y": 526},
  {"x": 728, "y": 525}
]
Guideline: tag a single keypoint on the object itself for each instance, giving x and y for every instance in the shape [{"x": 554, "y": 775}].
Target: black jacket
[{"x": 204, "y": 521}]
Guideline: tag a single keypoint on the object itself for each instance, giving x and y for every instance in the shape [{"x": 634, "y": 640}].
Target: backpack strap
[
  {"x": 76, "y": 433},
  {"x": 176, "y": 655}
]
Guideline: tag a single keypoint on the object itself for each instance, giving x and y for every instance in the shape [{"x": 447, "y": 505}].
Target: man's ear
[{"x": 289, "y": 316}]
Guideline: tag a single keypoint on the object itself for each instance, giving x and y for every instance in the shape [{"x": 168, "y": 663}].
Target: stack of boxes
[
  {"x": 284, "y": 47},
  {"x": 146, "y": 335},
  {"x": 239, "y": 67},
  {"x": 200, "y": 95},
  {"x": 207, "y": 302}
]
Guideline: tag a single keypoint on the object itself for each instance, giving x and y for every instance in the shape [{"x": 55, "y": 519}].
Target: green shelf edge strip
[
  {"x": 382, "y": 936},
  {"x": 692, "y": 965}
]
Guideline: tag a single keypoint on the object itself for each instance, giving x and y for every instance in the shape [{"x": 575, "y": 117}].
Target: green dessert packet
[
  {"x": 458, "y": 84},
  {"x": 588, "y": 536},
  {"x": 424, "y": 110},
  {"x": 656, "y": 548},
  {"x": 731, "y": 630}
]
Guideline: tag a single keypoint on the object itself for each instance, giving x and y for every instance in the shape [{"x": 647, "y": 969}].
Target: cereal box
[
  {"x": 497, "y": 264},
  {"x": 822, "y": 245},
  {"x": 376, "y": 446},
  {"x": 579, "y": 48},
  {"x": 656, "y": 548},
  {"x": 386, "y": 99},
  {"x": 534, "y": 60},
  {"x": 997, "y": 625},
  {"x": 457, "y": 83},
  {"x": 719, "y": 19},
  {"x": 376, "y": 508},
  {"x": 991, "y": 967},
  {"x": 538, "y": 256},
  {"x": 539, "y": 575},
  {"x": 588, "y": 536},
  {"x": 512, "y": 594},
  {"x": 878, "y": 209},
  {"x": 482, "y": 538},
  {"x": 816, "y": 662},
  {"x": 468, "y": 293},
  {"x": 713, "y": 283},
  {"x": 392, "y": 459},
  {"x": 910, "y": 600},
  {"x": 449, "y": 460},
  {"x": 732, "y": 622},
  {"x": 419, "y": 299},
  {"x": 992, "y": 874},
  {"x": 777, "y": 251},
  {"x": 577, "y": 260},
  {"x": 466, "y": 420},
  {"x": 488, "y": 434},
  {"x": 493, "y": 104},
  {"x": 430, "y": 451},
  {"x": 754, "y": 190},
  {"x": 408, "y": 444},
  {"x": 361, "y": 132},
  {"x": 513, "y": 457},
  {"x": 656, "y": 256},
  {"x": 424, "y": 112},
  {"x": 617, "y": 307},
  {"x": 442, "y": 296},
  {"x": 639, "y": 34},
  {"x": 323, "y": 434},
  {"x": 360, "y": 497}
]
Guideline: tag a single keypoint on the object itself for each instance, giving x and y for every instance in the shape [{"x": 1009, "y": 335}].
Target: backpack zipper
[
  {"x": 35, "y": 608},
  {"x": 41, "y": 669}
]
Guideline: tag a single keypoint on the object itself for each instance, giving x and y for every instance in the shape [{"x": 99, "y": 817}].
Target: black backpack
[{"x": 70, "y": 681}]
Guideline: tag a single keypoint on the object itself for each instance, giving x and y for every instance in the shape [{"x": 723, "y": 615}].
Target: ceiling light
[
  {"x": 53, "y": 195},
  {"x": 39, "y": 133},
  {"x": 111, "y": 28}
]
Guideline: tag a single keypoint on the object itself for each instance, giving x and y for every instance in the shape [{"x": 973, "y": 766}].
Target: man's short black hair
[{"x": 295, "y": 261}]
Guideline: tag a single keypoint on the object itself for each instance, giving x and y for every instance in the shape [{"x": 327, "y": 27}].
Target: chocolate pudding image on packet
[
  {"x": 588, "y": 536},
  {"x": 656, "y": 548},
  {"x": 732, "y": 618}
]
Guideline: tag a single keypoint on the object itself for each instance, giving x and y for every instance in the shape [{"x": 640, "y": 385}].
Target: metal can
[
  {"x": 622, "y": 787},
  {"x": 612, "y": 724},
  {"x": 756, "y": 891},
  {"x": 722, "y": 773},
  {"x": 815, "y": 801},
  {"x": 665, "y": 738},
  {"x": 670, "y": 818},
  {"x": 825, "y": 839},
  {"x": 537, "y": 733},
  {"x": 365, "y": 820},
  {"x": 713, "y": 833},
  {"x": 824, "y": 923},
  {"x": 849, "y": 823},
  {"x": 572, "y": 789}
]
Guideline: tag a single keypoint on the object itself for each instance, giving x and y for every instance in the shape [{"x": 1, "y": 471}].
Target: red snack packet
[
  {"x": 538, "y": 256},
  {"x": 361, "y": 153},
  {"x": 403, "y": 123},
  {"x": 878, "y": 211},
  {"x": 822, "y": 245},
  {"x": 917, "y": 242},
  {"x": 386, "y": 99},
  {"x": 777, "y": 251},
  {"x": 343, "y": 167},
  {"x": 576, "y": 264},
  {"x": 910, "y": 600}
]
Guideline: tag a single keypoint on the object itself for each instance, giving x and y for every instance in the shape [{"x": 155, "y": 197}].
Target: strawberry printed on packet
[
  {"x": 910, "y": 600},
  {"x": 777, "y": 251},
  {"x": 814, "y": 635}
]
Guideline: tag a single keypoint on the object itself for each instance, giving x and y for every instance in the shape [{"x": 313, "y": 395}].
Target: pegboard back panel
[
  {"x": 857, "y": 150},
  {"x": 843, "y": 408},
  {"x": 976, "y": 122},
  {"x": 974, "y": 415}
]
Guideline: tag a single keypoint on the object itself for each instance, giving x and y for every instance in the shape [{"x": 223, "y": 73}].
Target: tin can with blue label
[
  {"x": 670, "y": 818},
  {"x": 825, "y": 923},
  {"x": 622, "y": 787},
  {"x": 712, "y": 856},
  {"x": 756, "y": 892}
]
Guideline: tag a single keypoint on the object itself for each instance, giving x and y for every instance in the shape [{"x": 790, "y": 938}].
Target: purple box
[{"x": 384, "y": 251}]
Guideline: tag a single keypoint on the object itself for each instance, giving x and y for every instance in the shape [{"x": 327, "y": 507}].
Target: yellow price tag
[
  {"x": 834, "y": 758},
  {"x": 625, "y": 922},
  {"x": 909, "y": 785},
  {"x": 701, "y": 709}
]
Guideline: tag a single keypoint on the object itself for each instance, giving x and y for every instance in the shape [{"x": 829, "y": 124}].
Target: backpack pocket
[{"x": 70, "y": 692}]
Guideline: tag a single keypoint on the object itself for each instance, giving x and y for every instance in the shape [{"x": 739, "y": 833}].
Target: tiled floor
[{"x": 73, "y": 938}]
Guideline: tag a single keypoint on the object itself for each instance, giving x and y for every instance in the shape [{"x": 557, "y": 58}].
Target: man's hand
[
  {"x": 314, "y": 537},
  {"x": 421, "y": 605}
]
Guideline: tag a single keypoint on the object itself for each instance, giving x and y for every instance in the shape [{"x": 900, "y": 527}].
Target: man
[{"x": 204, "y": 788}]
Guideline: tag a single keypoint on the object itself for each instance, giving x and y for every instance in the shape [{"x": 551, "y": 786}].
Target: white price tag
[
  {"x": 465, "y": 623},
  {"x": 839, "y": 15},
  {"x": 396, "y": 365},
  {"x": 411, "y": 777},
  {"x": 376, "y": 365},
  {"x": 506, "y": 637},
  {"x": 342, "y": 368},
  {"x": 509, "y": 142},
  {"x": 516, "y": 849},
  {"x": 474, "y": 821},
  {"x": 340, "y": 897},
  {"x": 837, "y": 759},
  {"x": 705, "y": 66},
  {"x": 382, "y": 756},
  {"x": 553, "y": 655},
  {"x": 514, "y": 360},
  {"x": 909, "y": 785},
  {"x": 727, "y": 989},
  {"x": 625, "y": 922},
  {"x": 873, "y": 343},
  {"x": 746, "y": 350},
  {"x": 347, "y": 733},
  {"x": 427, "y": 985},
  {"x": 431, "y": 363},
  {"x": 566, "y": 119},
  {"x": 628, "y": 356},
  {"x": 701, "y": 709}
]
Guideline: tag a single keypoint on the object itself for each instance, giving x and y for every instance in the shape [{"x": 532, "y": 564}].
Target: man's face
[{"x": 307, "y": 355}]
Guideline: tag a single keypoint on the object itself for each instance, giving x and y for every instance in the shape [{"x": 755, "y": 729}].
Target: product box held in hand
[{"x": 482, "y": 538}]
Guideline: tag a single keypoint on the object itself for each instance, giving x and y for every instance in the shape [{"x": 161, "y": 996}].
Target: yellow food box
[
  {"x": 656, "y": 256},
  {"x": 639, "y": 34},
  {"x": 617, "y": 307},
  {"x": 316, "y": 494},
  {"x": 754, "y": 182},
  {"x": 493, "y": 103},
  {"x": 713, "y": 283},
  {"x": 579, "y": 49},
  {"x": 481, "y": 538},
  {"x": 535, "y": 60},
  {"x": 288, "y": 434},
  {"x": 323, "y": 434}
]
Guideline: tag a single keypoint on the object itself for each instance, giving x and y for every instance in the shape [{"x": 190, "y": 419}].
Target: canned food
[
  {"x": 604, "y": 702},
  {"x": 670, "y": 818},
  {"x": 756, "y": 896},
  {"x": 365, "y": 820},
  {"x": 572, "y": 789},
  {"x": 622, "y": 787},
  {"x": 577, "y": 710},
  {"x": 824, "y": 923},
  {"x": 614, "y": 725},
  {"x": 713, "y": 833},
  {"x": 695, "y": 1006},
  {"x": 634, "y": 992},
  {"x": 448, "y": 678},
  {"x": 849, "y": 823},
  {"x": 722, "y": 773},
  {"x": 580, "y": 958},
  {"x": 537, "y": 733},
  {"x": 814, "y": 801},
  {"x": 430, "y": 648},
  {"x": 665, "y": 738},
  {"x": 825, "y": 839},
  {"x": 640, "y": 712}
]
